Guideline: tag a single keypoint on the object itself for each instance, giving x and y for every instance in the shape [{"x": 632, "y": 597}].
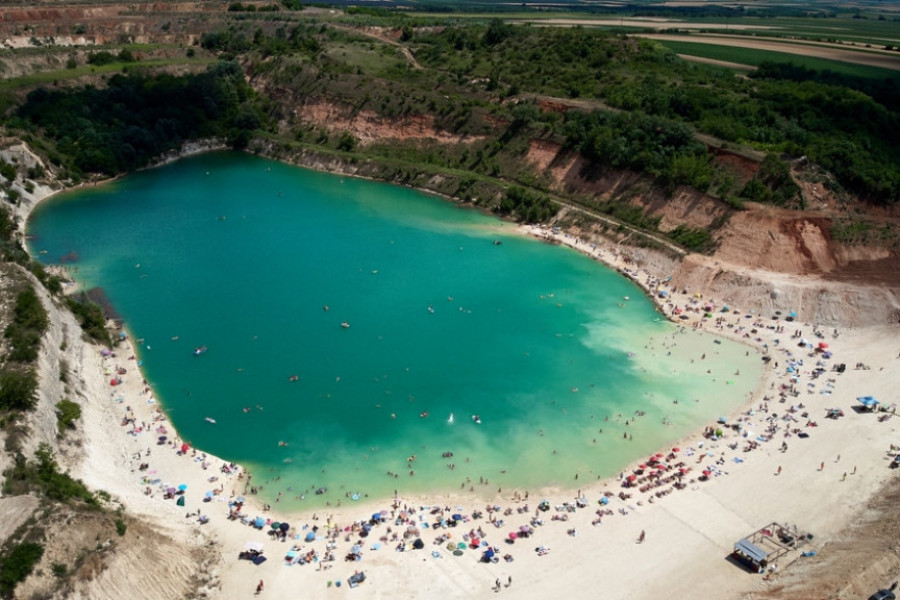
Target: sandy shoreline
[{"x": 689, "y": 531}]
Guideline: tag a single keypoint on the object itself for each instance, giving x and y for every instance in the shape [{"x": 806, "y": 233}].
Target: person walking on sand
[
  {"x": 778, "y": 472},
  {"x": 642, "y": 536},
  {"x": 259, "y": 586}
]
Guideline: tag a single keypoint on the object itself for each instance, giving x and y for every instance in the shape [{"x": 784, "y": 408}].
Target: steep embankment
[
  {"x": 767, "y": 258},
  {"x": 84, "y": 553}
]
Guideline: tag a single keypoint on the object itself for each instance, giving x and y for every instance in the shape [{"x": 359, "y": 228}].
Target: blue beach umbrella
[{"x": 182, "y": 487}]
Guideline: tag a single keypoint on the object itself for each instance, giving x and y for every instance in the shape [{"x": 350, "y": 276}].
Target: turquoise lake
[{"x": 448, "y": 312}]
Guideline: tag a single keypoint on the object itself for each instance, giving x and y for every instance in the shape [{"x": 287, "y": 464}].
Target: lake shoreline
[{"x": 111, "y": 468}]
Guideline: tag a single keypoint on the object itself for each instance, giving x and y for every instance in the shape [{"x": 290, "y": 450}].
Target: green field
[
  {"x": 753, "y": 58},
  {"x": 837, "y": 29}
]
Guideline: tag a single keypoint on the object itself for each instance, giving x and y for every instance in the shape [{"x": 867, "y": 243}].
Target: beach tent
[
  {"x": 868, "y": 401},
  {"x": 180, "y": 501}
]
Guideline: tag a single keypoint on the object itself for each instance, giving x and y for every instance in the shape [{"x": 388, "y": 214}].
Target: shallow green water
[{"x": 243, "y": 255}]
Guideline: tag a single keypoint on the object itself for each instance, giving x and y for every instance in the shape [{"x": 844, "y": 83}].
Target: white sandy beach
[{"x": 689, "y": 532}]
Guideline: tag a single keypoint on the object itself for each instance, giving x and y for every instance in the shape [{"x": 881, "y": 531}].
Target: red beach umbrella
[
  {"x": 676, "y": 449},
  {"x": 658, "y": 455},
  {"x": 513, "y": 535},
  {"x": 632, "y": 477},
  {"x": 642, "y": 466},
  {"x": 823, "y": 345}
]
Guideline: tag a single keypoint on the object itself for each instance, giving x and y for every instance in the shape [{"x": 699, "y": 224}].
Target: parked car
[{"x": 887, "y": 594}]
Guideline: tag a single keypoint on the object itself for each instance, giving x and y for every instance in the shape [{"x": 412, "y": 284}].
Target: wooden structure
[{"x": 766, "y": 545}]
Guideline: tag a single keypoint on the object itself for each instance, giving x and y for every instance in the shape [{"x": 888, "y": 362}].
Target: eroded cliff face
[
  {"x": 369, "y": 127},
  {"x": 767, "y": 258}
]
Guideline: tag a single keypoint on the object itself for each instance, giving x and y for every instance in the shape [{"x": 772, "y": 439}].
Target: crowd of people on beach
[{"x": 805, "y": 373}]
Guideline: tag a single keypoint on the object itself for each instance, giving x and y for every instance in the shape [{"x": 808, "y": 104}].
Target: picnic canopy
[{"x": 868, "y": 401}]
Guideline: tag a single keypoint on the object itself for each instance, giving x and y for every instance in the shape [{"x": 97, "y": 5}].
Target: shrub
[
  {"x": 18, "y": 389},
  {"x": 17, "y": 565},
  {"x": 101, "y": 58},
  {"x": 67, "y": 412},
  {"x": 91, "y": 318},
  {"x": 30, "y": 321},
  {"x": 121, "y": 527}
]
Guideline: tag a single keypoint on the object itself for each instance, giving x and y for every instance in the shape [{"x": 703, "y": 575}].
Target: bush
[
  {"x": 7, "y": 170},
  {"x": 698, "y": 240},
  {"x": 30, "y": 321},
  {"x": 526, "y": 206},
  {"x": 91, "y": 318},
  {"x": 101, "y": 58},
  {"x": 17, "y": 565},
  {"x": 121, "y": 527},
  {"x": 30, "y": 312},
  {"x": 18, "y": 389},
  {"x": 347, "y": 142},
  {"x": 67, "y": 412}
]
